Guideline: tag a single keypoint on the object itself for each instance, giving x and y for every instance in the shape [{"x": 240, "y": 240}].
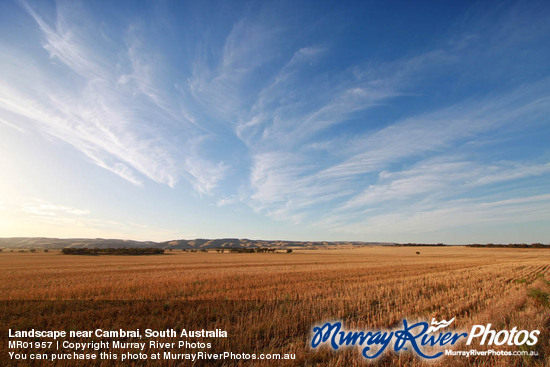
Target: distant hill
[
  {"x": 202, "y": 243},
  {"x": 199, "y": 243},
  {"x": 43, "y": 242},
  {"x": 247, "y": 243}
]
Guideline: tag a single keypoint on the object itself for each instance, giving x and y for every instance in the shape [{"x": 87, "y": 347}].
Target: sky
[{"x": 293, "y": 120}]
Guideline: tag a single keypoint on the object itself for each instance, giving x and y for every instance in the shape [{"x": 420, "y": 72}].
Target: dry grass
[{"x": 272, "y": 300}]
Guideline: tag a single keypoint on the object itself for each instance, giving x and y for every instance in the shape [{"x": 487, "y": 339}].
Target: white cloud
[
  {"x": 204, "y": 175},
  {"x": 434, "y": 131},
  {"x": 267, "y": 119},
  {"x": 65, "y": 43},
  {"x": 114, "y": 113},
  {"x": 38, "y": 217},
  {"x": 43, "y": 208},
  {"x": 449, "y": 216},
  {"x": 13, "y": 126},
  {"x": 227, "y": 201},
  {"x": 440, "y": 178},
  {"x": 221, "y": 85},
  {"x": 297, "y": 183}
]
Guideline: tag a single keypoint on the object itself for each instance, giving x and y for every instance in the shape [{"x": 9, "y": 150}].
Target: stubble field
[{"x": 269, "y": 302}]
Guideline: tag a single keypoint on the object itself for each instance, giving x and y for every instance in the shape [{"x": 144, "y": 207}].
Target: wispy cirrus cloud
[
  {"x": 434, "y": 131},
  {"x": 441, "y": 179},
  {"x": 221, "y": 83},
  {"x": 35, "y": 216},
  {"x": 44, "y": 208},
  {"x": 104, "y": 109},
  {"x": 300, "y": 119},
  {"x": 13, "y": 126},
  {"x": 282, "y": 179},
  {"x": 297, "y": 169},
  {"x": 449, "y": 217}
]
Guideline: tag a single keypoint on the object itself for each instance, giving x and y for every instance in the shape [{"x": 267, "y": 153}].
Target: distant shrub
[
  {"x": 512, "y": 245},
  {"x": 420, "y": 244},
  {"x": 241, "y": 250},
  {"x": 244, "y": 250},
  {"x": 288, "y": 251},
  {"x": 263, "y": 249}
]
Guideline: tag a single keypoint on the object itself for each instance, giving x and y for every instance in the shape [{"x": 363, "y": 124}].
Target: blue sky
[{"x": 302, "y": 120}]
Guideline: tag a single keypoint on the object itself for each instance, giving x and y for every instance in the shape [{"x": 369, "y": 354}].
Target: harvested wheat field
[{"x": 270, "y": 302}]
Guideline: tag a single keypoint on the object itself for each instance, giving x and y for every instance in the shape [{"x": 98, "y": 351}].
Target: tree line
[
  {"x": 513, "y": 245},
  {"x": 112, "y": 251}
]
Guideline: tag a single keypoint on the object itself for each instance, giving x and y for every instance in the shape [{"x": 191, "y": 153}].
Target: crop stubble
[{"x": 268, "y": 303}]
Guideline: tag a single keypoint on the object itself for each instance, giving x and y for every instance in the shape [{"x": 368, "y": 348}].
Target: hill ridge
[{"x": 198, "y": 243}]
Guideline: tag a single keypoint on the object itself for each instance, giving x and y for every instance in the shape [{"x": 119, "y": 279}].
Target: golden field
[{"x": 269, "y": 302}]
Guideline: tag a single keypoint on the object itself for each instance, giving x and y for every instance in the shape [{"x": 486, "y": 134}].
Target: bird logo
[{"x": 439, "y": 325}]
